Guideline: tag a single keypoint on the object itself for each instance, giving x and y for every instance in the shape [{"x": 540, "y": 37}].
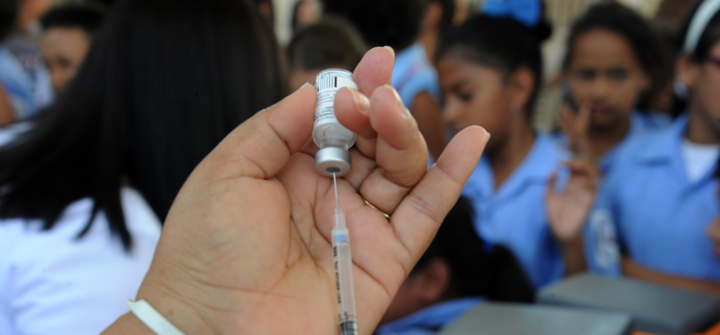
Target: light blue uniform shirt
[
  {"x": 660, "y": 216},
  {"x": 640, "y": 124},
  {"x": 514, "y": 215},
  {"x": 429, "y": 320},
  {"x": 414, "y": 74}
]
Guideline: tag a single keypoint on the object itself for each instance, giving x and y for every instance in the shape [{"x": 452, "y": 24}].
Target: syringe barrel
[{"x": 344, "y": 281}]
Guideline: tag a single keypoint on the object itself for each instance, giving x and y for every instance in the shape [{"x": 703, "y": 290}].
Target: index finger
[{"x": 375, "y": 69}]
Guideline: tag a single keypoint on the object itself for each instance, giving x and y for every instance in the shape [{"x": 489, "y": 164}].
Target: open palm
[
  {"x": 568, "y": 209},
  {"x": 246, "y": 244}
]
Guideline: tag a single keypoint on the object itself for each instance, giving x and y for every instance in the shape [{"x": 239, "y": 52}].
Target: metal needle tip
[{"x": 337, "y": 204}]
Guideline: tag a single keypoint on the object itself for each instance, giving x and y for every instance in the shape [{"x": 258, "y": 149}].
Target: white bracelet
[{"x": 152, "y": 319}]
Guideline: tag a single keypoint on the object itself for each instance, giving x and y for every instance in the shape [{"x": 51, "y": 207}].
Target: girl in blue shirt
[
  {"x": 661, "y": 194},
  {"x": 455, "y": 274},
  {"x": 492, "y": 80},
  {"x": 614, "y": 66}
]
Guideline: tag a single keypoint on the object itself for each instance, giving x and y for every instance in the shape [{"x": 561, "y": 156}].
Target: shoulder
[
  {"x": 637, "y": 154},
  {"x": 651, "y": 143},
  {"x": 27, "y": 234},
  {"x": 652, "y": 120},
  {"x": 55, "y": 276},
  {"x": 413, "y": 73}
]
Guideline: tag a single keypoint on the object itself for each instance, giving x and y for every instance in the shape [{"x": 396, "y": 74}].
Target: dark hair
[
  {"x": 448, "y": 13},
  {"x": 394, "y": 23},
  {"x": 84, "y": 16},
  {"x": 266, "y": 10},
  {"x": 332, "y": 41},
  {"x": 8, "y": 15},
  {"x": 499, "y": 43},
  {"x": 644, "y": 41},
  {"x": 708, "y": 38},
  {"x": 476, "y": 268},
  {"x": 163, "y": 83}
]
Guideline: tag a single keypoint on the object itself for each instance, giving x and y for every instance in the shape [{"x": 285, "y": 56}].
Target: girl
[
  {"x": 492, "y": 80},
  {"x": 613, "y": 67},
  {"x": 82, "y": 194},
  {"x": 661, "y": 194}
]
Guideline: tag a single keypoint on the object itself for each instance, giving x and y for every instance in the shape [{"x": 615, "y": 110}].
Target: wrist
[
  {"x": 176, "y": 307},
  {"x": 572, "y": 244}
]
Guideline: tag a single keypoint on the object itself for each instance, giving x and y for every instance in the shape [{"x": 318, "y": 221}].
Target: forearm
[{"x": 634, "y": 270}]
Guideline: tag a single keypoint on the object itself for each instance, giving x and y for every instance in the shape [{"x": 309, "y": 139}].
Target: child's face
[
  {"x": 474, "y": 95},
  {"x": 605, "y": 74},
  {"x": 64, "y": 50}
]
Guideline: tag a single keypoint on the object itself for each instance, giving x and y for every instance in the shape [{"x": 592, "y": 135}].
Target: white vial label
[{"x": 327, "y": 87}]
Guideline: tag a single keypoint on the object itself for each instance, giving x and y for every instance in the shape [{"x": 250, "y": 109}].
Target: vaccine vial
[{"x": 329, "y": 135}]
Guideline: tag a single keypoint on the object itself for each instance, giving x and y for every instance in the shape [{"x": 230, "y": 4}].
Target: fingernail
[
  {"x": 391, "y": 50},
  {"x": 398, "y": 99},
  {"x": 486, "y": 132},
  {"x": 303, "y": 86},
  {"x": 361, "y": 102}
]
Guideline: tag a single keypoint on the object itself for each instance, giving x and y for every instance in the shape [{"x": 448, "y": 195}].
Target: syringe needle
[
  {"x": 337, "y": 204},
  {"x": 343, "y": 270}
]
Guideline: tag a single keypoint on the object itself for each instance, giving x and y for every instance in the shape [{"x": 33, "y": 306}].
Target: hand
[
  {"x": 246, "y": 246},
  {"x": 576, "y": 126},
  {"x": 568, "y": 210}
]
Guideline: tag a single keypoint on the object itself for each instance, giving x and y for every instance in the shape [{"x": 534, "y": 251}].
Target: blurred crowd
[{"x": 106, "y": 107}]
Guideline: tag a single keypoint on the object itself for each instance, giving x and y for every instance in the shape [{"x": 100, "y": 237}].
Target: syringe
[{"x": 343, "y": 270}]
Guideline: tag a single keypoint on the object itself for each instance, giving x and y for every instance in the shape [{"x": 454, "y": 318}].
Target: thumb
[{"x": 261, "y": 146}]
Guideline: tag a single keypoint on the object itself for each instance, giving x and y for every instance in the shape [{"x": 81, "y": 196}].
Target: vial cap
[{"x": 332, "y": 159}]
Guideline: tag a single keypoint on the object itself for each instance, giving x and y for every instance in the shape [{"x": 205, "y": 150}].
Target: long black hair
[
  {"x": 8, "y": 15},
  {"x": 503, "y": 44},
  {"x": 710, "y": 35},
  {"x": 163, "y": 83},
  {"x": 644, "y": 41},
  {"x": 476, "y": 268},
  {"x": 395, "y": 23}
]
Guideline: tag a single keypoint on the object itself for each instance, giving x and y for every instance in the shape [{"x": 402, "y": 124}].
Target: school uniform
[
  {"x": 515, "y": 216},
  {"x": 52, "y": 282},
  {"x": 413, "y": 74},
  {"x": 658, "y": 211},
  {"x": 640, "y": 124},
  {"x": 431, "y": 319}
]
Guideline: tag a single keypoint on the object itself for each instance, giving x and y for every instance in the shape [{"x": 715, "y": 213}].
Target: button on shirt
[
  {"x": 660, "y": 215},
  {"x": 515, "y": 215},
  {"x": 429, "y": 320}
]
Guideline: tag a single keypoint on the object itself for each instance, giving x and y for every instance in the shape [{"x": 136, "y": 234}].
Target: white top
[
  {"x": 699, "y": 158},
  {"x": 53, "y": 283}
]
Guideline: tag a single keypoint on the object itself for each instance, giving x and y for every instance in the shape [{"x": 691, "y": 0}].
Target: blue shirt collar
[
  {"x": 543, "y": 159},
  {"x": 434, "y": 317},
  {"x": 665, "y": 146}
]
